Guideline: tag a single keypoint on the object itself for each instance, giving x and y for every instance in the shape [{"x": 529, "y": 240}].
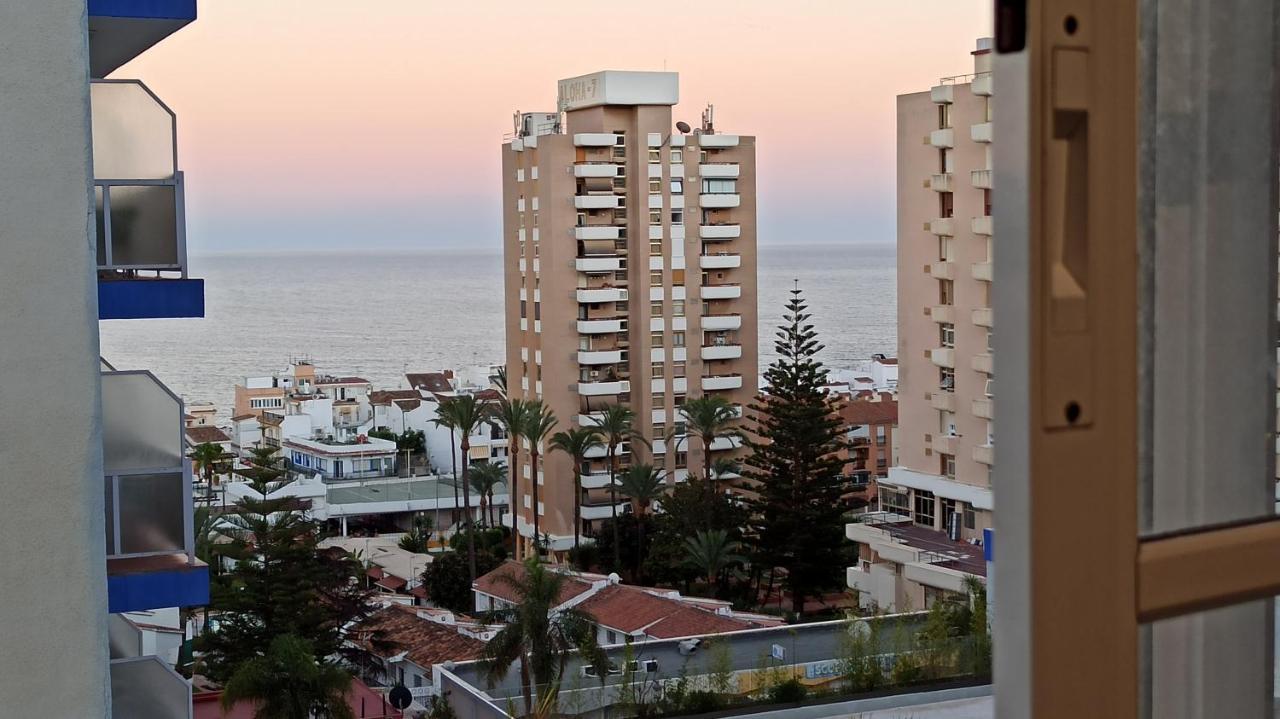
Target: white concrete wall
[{"x": 54, "y": 612}]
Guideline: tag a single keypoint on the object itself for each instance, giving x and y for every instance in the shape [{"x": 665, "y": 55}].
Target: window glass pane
[
  {"x": 144, "y": 229},
  {"x": 151, "y": 513}
]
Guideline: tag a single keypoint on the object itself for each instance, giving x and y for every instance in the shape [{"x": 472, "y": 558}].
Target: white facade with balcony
[
  {"x": 720, "y": 292},
  {"x": 715, "y": 141},
  {"x": 596, "y": 327},
  {"x": 599, "y": 389},
  {"x": 597, "y": 202},
  {"x": 718, "y": 169},
  {"x": 597, "y": 264},
  {"x": 721, "y": 352},
  {"x": 722, "y": 382},
  {"x": 720, "y": 261},
  {"x": 717, "y": 323},
  {"x": 589, "y": 357},
  {"x": 597, "y": 169},
  {"x": 597, "y": 232},
  {"x": 596, "y": 139},
  {"x": 945, "y": 137},
  {"x": 601, "y": 294},
  {"x": 719, "y": 232},
  {"x": 720, "y": 200}
]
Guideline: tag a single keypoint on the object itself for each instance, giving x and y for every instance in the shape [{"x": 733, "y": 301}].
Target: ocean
[{"x": 379, "y": 314}]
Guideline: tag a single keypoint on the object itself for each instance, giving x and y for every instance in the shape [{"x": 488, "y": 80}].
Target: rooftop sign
[{"x": 617, "y": 87}]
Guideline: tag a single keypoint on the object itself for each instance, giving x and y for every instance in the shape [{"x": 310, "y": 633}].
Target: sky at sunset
[{"x": 335, "y": 124}]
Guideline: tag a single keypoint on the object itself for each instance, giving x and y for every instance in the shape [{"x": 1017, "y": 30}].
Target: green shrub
[
  {"x": 907, "y": 670},
  {"x": 789, "y": 692},
  {"x": 701, "y": 702}
]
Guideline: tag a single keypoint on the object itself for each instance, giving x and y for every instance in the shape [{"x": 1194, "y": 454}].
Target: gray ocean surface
[{"x": 379, "y": 314}]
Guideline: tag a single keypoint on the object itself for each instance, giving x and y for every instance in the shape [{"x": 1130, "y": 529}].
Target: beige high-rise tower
[
  {"x": 944, "y": 305},
  {"x": 630, "y": 270}
]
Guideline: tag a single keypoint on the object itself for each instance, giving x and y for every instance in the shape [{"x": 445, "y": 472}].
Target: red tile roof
[
  {"x": 341, "y": 380},
  {"x": 391, "y": 582},
  {"x": 431, "y": 381},
  {"x": 864, "y": 412},
  {"x": 408, "y": 405},
  {"x": 397, "y": 628},
  {"x": 387, "y": 396},
  {"x": 242, "y": 417},
  {"x": 201, "y": 435},
  {"x": 493, "y": 585},
  {"x": 630, "y": 610}
]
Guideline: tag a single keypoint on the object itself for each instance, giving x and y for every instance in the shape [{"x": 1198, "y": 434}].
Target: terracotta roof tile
[
  {"x": 430, "y": 381},
  {"x": 397, "y": 628},
  {"x": 630, "y": 610},
  {"x": 493, "y": 585},
  {"x": 864, "y": 412},
  {"x": 201, "y": 435},
  {"x": 242, "y": 417},
  {"x": 387, "y": 396}
]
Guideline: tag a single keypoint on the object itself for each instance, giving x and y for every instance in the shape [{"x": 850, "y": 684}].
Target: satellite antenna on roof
[{"x": 683, "y": 127}]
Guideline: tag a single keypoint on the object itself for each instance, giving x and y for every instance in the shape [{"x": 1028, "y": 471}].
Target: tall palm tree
[
  {"x": 641, "y": 483},
  {"x": 576, "y": 443},
  {"x": 539, "y": 423},
  {"x": 617, "y": 424},
  {"x": 463, "y": 414},
  {"x": 712, "y": 552},
  {"x": 207, "y": 457},
  {"x": 538, "y": 634},
  {"x": 287, "y": 682},
  {"x": 484, "y": 478},
  {"x": 512, "y": 415},
  {"x": 709, "y": 418}
]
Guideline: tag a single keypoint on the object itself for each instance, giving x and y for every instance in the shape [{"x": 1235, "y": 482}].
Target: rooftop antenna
[{"x": 708, "y": 120}]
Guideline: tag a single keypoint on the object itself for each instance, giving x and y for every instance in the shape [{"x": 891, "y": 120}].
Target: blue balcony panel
[
  {"x": 150, "y": 298},
  {"x": 120, "y": 30},
  {"x": 139, "y": 583}
]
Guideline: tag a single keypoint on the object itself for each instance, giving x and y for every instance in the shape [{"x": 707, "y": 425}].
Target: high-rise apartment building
[
  {"x": 945, "y": 430},
  {"x": 630, "y": 266}
]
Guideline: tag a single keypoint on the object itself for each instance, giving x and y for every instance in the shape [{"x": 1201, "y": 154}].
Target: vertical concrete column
[{"x": 54, "y": 606}]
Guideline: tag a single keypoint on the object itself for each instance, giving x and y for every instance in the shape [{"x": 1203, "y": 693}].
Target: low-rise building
[
  {"x": 388, "y": 566},
  {"x": 335, "y": 458},
  {"x": 905, "y": 567}
]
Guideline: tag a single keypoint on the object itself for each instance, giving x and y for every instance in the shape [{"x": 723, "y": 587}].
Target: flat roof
[
  {"x": 427, "y": 488},
  {"x": 618, "y": 87}
]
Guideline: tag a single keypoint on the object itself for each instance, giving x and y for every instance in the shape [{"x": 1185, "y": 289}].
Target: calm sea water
[{"x": 378, "y": 315}]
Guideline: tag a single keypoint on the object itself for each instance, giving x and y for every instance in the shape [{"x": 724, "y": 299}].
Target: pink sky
[{"x": 331, "y": 123}]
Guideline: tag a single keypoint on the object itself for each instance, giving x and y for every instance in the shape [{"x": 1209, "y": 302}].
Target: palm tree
[
  {"x": 538, "y": 634},
  {"x": 539, "y": 423},
  {"x": 511, "y": 415},
  {"x": 287, "y": 682},
  {"x": 617, "y": 424},
  {"x": 484, "y": 478},
  {"x": 463, "y": 414},
  {"x": 576, "y": 443},
  {"x": 206, "y": 457},
  {"x": 641, "y": 483},
  {"x": 712, "y": 552},
  {"x": 709, "y": 418},
  {"x": 418, "y": 538}
]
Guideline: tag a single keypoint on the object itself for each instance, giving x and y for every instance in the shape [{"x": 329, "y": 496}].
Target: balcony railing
[{"x": 147, "y": 687}]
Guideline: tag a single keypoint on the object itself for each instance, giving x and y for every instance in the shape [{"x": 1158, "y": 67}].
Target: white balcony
[
  {"x": 718, "y": 140},
  {"x": 718, "y": 169},
  {"x": 984, "y": 454},
  {"x": 980, "y": 132},
  {"x": 719, "y": 232},
  {"x": 943, "y": 94},
  {"x": 597, "y": 169},
  {"x": 599, "y": 327},
  {"x": 716, "y": 323},
  {"x": 982, "y": 317},
  {"x": 945, "y": 137},
  {"x": 945, "y": 444},
  {"x": 724, "y": 381},
  {"x": 982, "y": 271},
  {"x": 598, "y": 264},
  {"x": 943, "y": 270},
  {"x": 982, "y": 408},
  {"x": 981, "y": 84},
  {"x": 944, "y": 314},
  {"x": 721, "y": 352},
  {"x": 590, "y": 357},
  {"x": 942, "y": 226},
  {"x": 724, "y": 444},
  {"x": 721, "y": 292},
  {"x": 601, "y": 511},
  {"x": 982, "y": 363},
  {"x": 980, "y": 179},
  {"x": 597, "y": 202},
  {"x": 943, "y": 356},
  {"x": 941, "y": 182},
  {"x": 601, "y": 389},
  {"x": 597, "y": 232},
  {"x": 601, "y": 294},
  {"x": 725, "y": 199},
  {"x": 598, "y": 480},
  {"x": 943, "y": 401},
  {"x": 596, "y": 139},
  {"x": 719, "y": 262},
  {"x": 981, "y": 225}
]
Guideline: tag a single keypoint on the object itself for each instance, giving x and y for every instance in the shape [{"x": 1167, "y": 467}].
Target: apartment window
[
  {"x": 658, "y": 400},
  {"x": 523, "y": 309},
  {"x": 677, "y": 339},
  {"x": 946, "y": 379},
  {"x": 582, "y": 219},
  {"x": 619, "y": 213},
  {"x": 946, "y": 204},
  {"x": 677, "y": 157},
  {"x": 986, "y": 202},
  {"x": 655, "y": 187},
  {"x": 655, "y": 278},
  {"x": 988, "y": 340},
  {"x": 719, "y": 186},
  {"x": 946, "y": 160},
  {"x": 677, "y": 186},
  {"x": 945, "y": 244},
  {"x": 702, "y": 156},
  {"x": 948, "y": 466},
  {"x": 619, "y": 182},
  {"x": 946, "y": 292},
  {"x": 655, "y": 247},
  {"x": 924, "y": 508},
  {"x": 619, "y": 306},
  {"x": 657, "y": 369},
  {"x": 655, "y": 339},
  {"x": 944, "y": 115},
  {"x": 655, "y": 217},
  {"x": 677, "y": 309},
  {"x": 682, "y": 460},
  {"x": 677, "y": 217},
  {"x": 620, "y": 149},
  {"x": 678, "y": 401},
  {"x": 659, "y": 431},
  {"x": 655, "y": 155},
  {"x": 895, "y": 500},
  {"x": 655, "y": 308},
  {"x": 537, "y": 310},
  {"x": 947, "y": 334},
  {"x": 986, "y": 387},
  {"x": 677, "y": 369},
  {"x": 948, "y": 511}
]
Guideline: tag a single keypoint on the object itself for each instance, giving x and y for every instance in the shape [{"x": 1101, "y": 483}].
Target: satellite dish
[
  {"x": 400, "y": 697},
  {"x": 683, "y": 126}
]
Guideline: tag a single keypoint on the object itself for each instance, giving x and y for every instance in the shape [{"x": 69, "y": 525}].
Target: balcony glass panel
[
  {"x": 144, "y": 226},
  {"x": 151, "y": 513},
  {"x": 142, "y": 424},
  {"x": 133, "y": 133}
]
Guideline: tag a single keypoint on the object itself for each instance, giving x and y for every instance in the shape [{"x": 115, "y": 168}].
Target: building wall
[
  {"x": 925, "y": 437},
  {"x": 51, "y": 504}
]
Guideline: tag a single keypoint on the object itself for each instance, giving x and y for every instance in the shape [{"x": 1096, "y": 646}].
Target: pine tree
[
  {"x": 795, "y": 436},
  {"x": 281, "y": 584}
]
